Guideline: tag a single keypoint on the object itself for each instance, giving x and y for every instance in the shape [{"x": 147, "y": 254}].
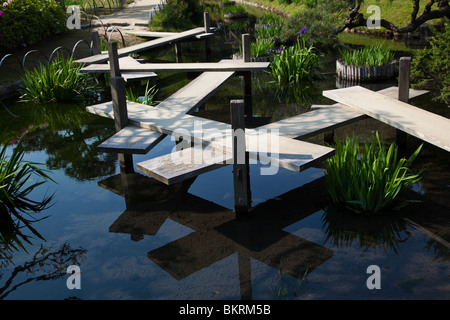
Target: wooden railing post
[
  {"x": 247, "y": 77},
  {"x": 241, "y": 178},
  {"x": 119, "y": 101},
  {"x": 96, "y": 49},
  {"x": 403, "y": 93},
  {"x": 177, "y": 52},
  {"x": 246, "y": 47},
  {"x": 207, "y": 22}
]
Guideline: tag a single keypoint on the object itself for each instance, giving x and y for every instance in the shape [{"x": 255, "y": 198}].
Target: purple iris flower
[{"x": 303, "y": 30}]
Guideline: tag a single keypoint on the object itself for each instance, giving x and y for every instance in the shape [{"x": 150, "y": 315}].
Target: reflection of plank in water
[
  {"x": 192, "y": 253},
  {"x": 198, "y": 250},
  {"x": 260, "y": 237}
]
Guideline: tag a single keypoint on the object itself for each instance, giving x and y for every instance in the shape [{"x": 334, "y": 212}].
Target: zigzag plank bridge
[{"x": 210, "y": 144}]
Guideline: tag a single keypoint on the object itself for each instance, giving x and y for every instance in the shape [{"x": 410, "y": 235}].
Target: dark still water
[{"x": 135, "y": 238}]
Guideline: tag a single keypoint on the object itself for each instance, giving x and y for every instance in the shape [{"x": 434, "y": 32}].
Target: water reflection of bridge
[{"x": 217, "y": 232}]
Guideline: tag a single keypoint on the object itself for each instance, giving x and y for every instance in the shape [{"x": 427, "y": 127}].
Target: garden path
[{"x": 133, "y": 17}]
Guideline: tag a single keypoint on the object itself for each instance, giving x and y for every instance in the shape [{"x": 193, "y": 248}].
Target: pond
[{"x": 136, "y": 238}]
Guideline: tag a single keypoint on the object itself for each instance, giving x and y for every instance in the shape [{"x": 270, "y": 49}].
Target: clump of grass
[
  {"x": 58, "y": 81},
  {"x": 260, "y": 48},
  {"x": 148, "y": 98},
  {"x": 296, "y": 64},
  {"x": 18, "y": 178},
  {"x": 374, "y": 55},
  {"x": 236, "y": 9},
  {"x": 268, "y": 31},
  {"x": 369, "y": 181}
]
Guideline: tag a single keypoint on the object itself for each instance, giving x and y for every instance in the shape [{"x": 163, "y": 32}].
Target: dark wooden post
[
  {"x": 96, "y": 49},
  {"x": 403, "y": 93},
  {"x": 177, "y": 52},
  {"x": 247, "y": 77},
  {"x": 241, "y": 177},
  {"x": 207, "y": 23},
  {"x": 119, "y": 101},
  {"x": 246, "y": 47}
]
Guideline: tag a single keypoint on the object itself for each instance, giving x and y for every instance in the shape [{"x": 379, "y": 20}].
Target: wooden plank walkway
[
  {"x": 100, "y": 58},
  {"x": 168, "y": 168},
  {"x": 151, "y": 34},
  {"x": 133, "y": 139},
  {"x": 133, "y": 76},
  {"x": 292, "y": 154},
  {"x": 327, "y": 117},
  {"x": 184, "y": 164},
  {"x": 229, "y": 65},
  {"x": 417, "y": 122}
]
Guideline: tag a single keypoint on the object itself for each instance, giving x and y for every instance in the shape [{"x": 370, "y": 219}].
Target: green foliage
[
  {"x": 371, "y": 181},
  {"x": 58, "y": 81},
  {"x": 260, "y": 48},
  {"x": 374, "y": 55},
  {"x": 178, "y": 15},
  {"x": 311, "y": 3},
  {"x": 17, "y": 181},
  {"x": 296, "y": 64},
  {"x": 430, "y": 67},
  {"x": 236, "y": 9},
  {"x": 323, "y": 21},
  {"x": 25, "y": 22},
  {"x": 148, "y": 98},
  {"x": 268, "y": 31}
]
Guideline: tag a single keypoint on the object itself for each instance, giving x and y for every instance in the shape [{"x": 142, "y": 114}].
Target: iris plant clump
[
  {"x": 297, "y": 63},
  {"x": 18, "y": 179},
  {"x": 58, "y": 81},
  {"x": 370, "y": 181}
]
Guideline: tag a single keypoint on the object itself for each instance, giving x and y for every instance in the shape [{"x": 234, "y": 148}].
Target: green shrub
[
  {"x": 368, "y": 181},
  {"x": 323, "y": 21},
  {"x": 374, "y": 55},
  {"x": 430, "y": 67},
  {"x": 178, "y": 15},
  {"x": 296, "y": 64},
  {"x": 26, "y": 22},
  {"x": 59, "y": 81}
]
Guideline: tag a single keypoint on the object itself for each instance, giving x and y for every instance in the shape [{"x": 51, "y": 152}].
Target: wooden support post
[
  {"x": 403, "y": 93},
  {"x": 207, "y": 22},
  {"x": 247, "y": 78},
  {"x": 177, "y": 52},
  {"x": 241, "y": 177},
  {"x": 96, "y": 49},
  {"x": 119, "y": 101},
  {"x": 328, "y": 137},
  {"x": 246, "y": 47},
  {"x": 113, "y": 59}
]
